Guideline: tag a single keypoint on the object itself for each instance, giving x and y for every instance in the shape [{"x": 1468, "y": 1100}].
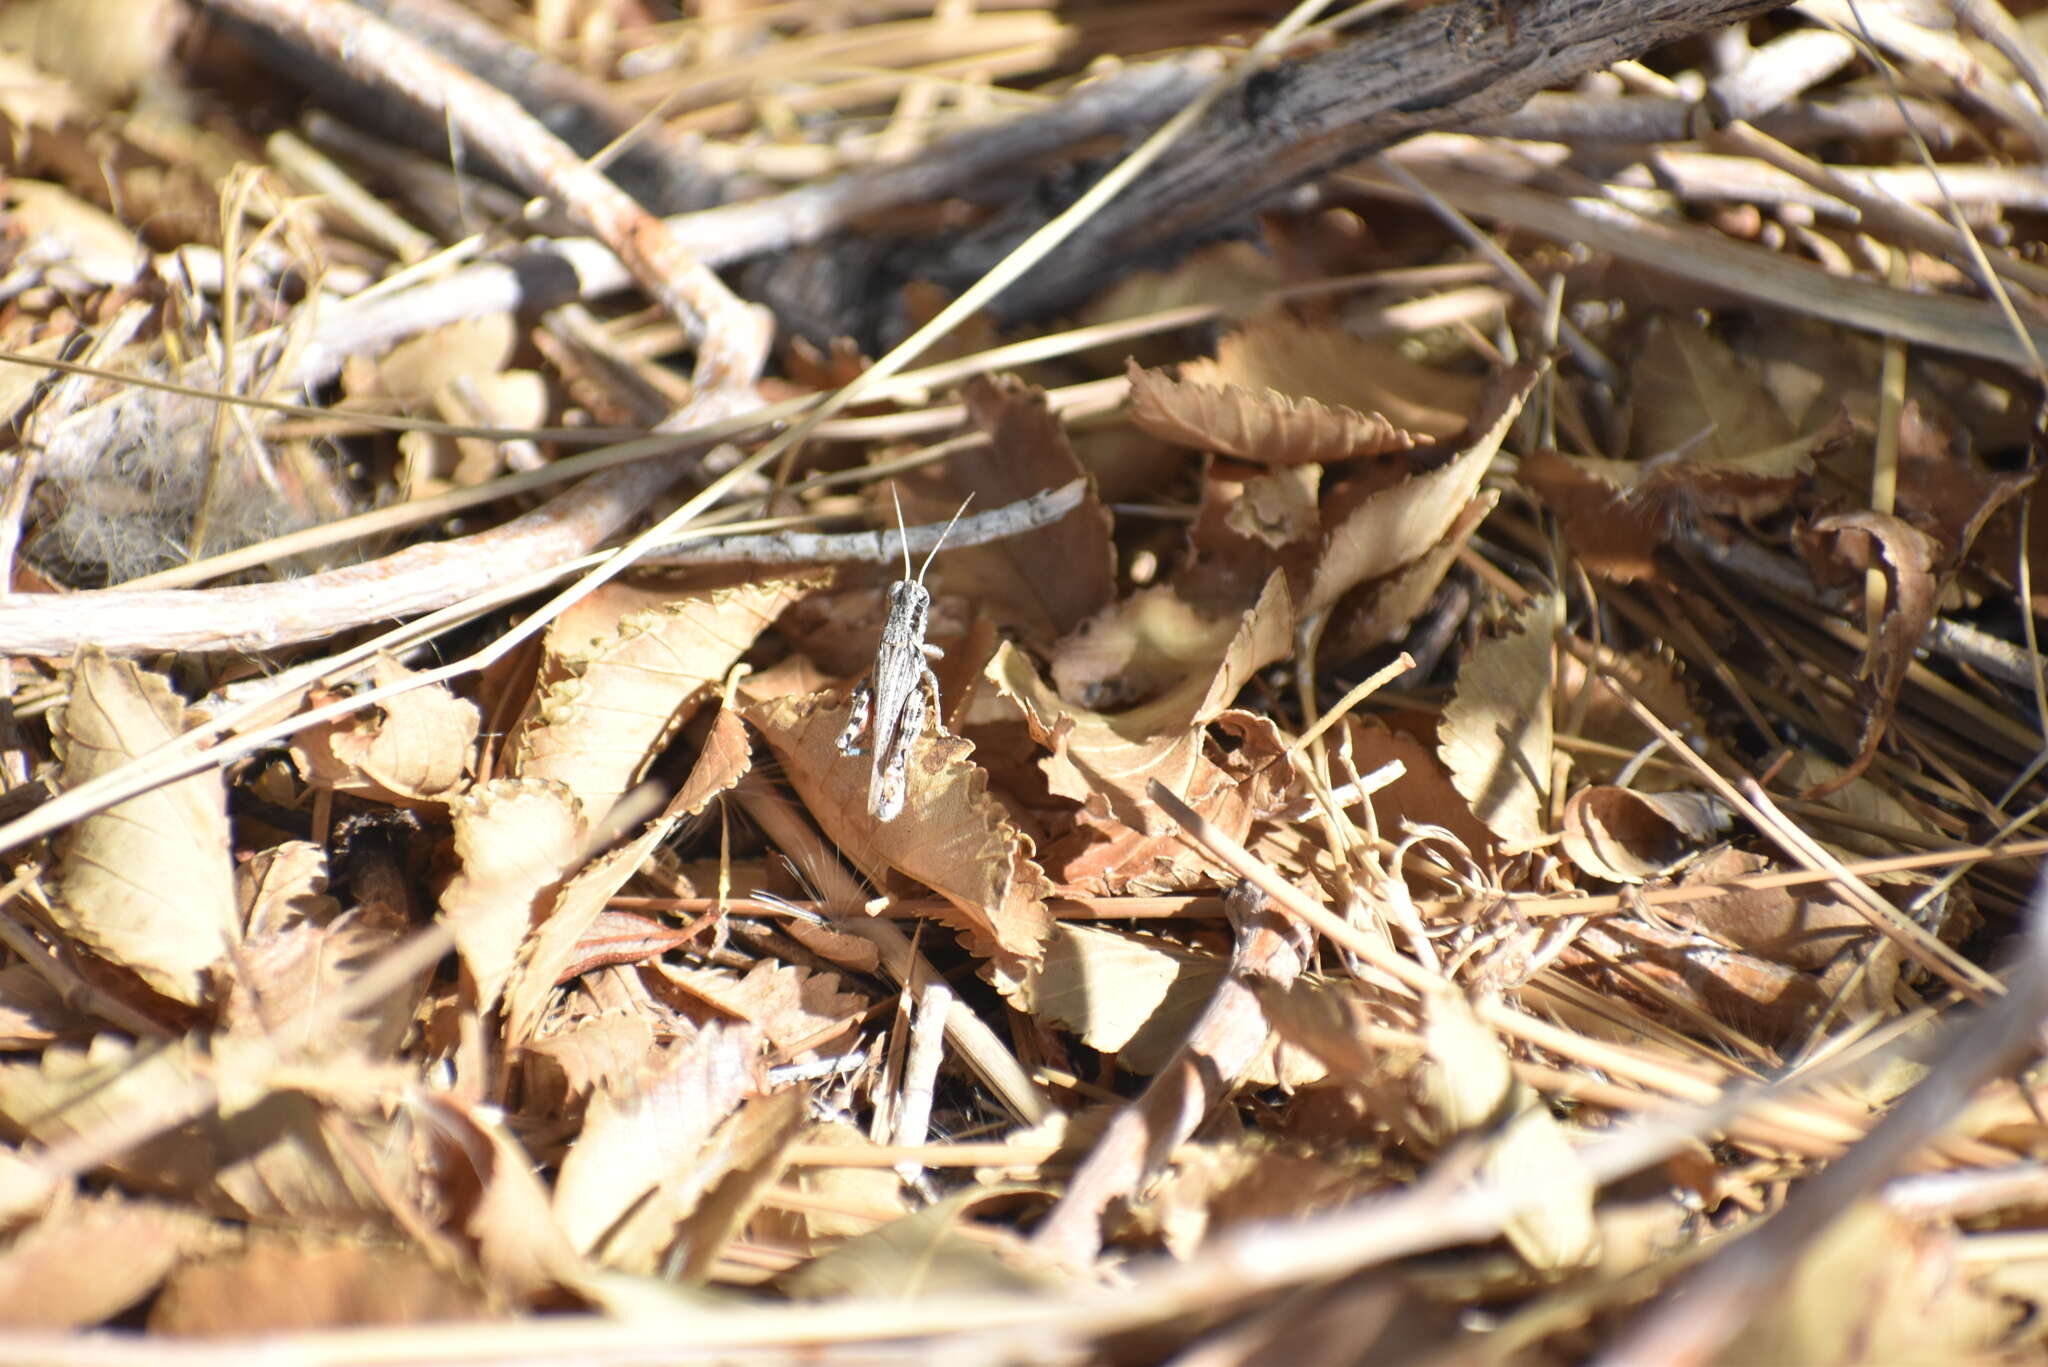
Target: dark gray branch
[{"x": 1438, "y": 67}]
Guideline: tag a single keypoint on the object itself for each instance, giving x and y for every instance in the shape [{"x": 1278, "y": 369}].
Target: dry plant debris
[{"x": 1488, "y": 782}]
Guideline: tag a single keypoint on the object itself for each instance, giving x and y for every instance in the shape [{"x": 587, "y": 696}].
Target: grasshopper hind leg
[{"x": 860, "y": 716}]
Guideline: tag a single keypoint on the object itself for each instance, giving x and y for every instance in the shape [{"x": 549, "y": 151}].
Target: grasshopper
[{"x": 896, "y": 696}]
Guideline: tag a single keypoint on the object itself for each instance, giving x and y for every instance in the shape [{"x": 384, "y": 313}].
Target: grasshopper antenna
[
  {"x": 941, "y": 541},
  {"x": 903, "y": 534}
]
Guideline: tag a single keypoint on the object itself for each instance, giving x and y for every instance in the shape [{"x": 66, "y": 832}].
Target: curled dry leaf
[
  {"x": 1385, "y": 519},
  {"x": 952, "y": 835},
  {"x": 631, "y": 1144},
  {"x": 1908, "y": 555},
  {"x": 1281, "y": 392},
  {"x": 1256, "y": 425},
  {"x": 415, "y": 748},
  {"x": 147, "y": 884},
  {"x": 1495, "y": 734},
  {"x": 1105, "y": 760},
  {"x": 515, "y": 839},
  {"x": 1630, "y": 837},
  {"x": 617, "y": 702}
]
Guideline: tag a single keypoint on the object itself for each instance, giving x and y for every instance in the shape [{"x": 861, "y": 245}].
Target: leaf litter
[{"x": 1492, "y": 822}]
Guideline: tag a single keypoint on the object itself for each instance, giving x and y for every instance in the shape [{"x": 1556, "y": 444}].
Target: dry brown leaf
[
  {"x": 1611, "y": 534},
  {"x": 1279, "y": 391},
  {"x": 630, "y": 1145},
  {"x": 1046, "y": 582},
  {"x": 1329, "y": 365},
  {"x": 1630, "y": 837},
  {"x": 515, "y": 839},
  {"x": 413, "y": 371},
  {"x": 1122, "y": 993},
  {"x": 547, "y": 954},
  {"x": 33, "y": 1013},
  {"x": 60, "y": 229},
  {"x": 1231, "y": 787},
  {"x": 89, "y": 1259},
  {"x": 792, "y": 1006},
  {"x": 1105, "y": 760},
  {"x": 274, "y": 1287},
  {"x": 952, "y": 836},
  {"x": 283, "y": 886},
  {"x": 1495, "y": 734},
  {"x": 1422, "y": 796},
  {"x": 497, "y": 1199},
  {"x": 621, "y": 699},
  {"x": 415, "y": 748},
  {"x": 1383, "y": 521},
  {"x": 282, "y": 975},
  {"x": 1383, "y": 612},
  {"x": 1596, "y": 701},
  {"x": 268, "y": 1160},
  {"x": 147, "y": 884},
  {"x": 614, "y": 1051},
  {"x": 1693, "y": 397}
]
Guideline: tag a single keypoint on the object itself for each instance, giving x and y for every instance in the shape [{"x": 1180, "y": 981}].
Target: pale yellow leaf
[
  {"x": 149, "y": 883},
  {"x": 415, "y": 748},
  {"x": 624, "y": 697},
  {"x": 629, "y": 1146},
  {"x": 1381, "y": 522},
  {"x": 923, "y": 1254},
  {"x": 1879, "y": 1289},
  {"x": 515, "y": 839},
  {"x": 1495, "y": 735},
  {"x": 1554, "y": 1230},
  {"x": 1469, "y": 1083}
]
